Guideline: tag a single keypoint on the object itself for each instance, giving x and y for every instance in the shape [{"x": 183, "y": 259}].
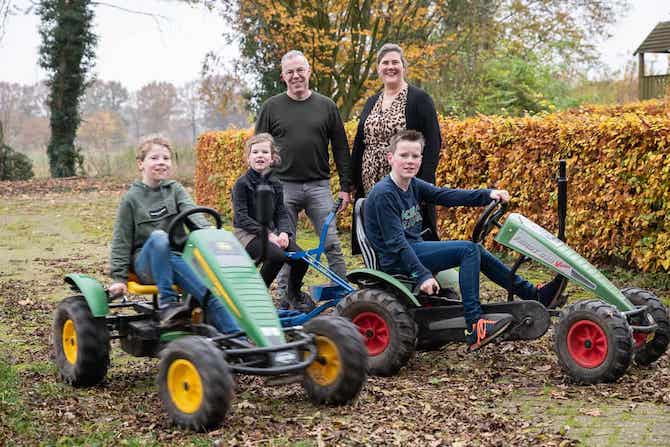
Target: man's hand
[
  {"x": 283, "y": 240},
  {"x": 500, "y": 194},
  {"x": 117, "y": 289},
  {"x": 430, "y": 286},
  {"x": 345, "y": 200}
]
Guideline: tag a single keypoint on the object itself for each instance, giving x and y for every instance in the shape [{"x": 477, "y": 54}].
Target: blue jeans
[
  {"x": 316, "y": 199},
  {"x": 156, "y": 263},
  {"x": 471, "y": 258}
]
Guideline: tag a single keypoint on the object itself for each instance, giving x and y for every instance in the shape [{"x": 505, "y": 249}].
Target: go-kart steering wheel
[
  {"x": 488, "y": 219},
  {"x": 177, "y": 242}
]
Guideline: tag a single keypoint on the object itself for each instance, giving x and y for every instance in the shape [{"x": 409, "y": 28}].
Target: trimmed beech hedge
[{"x": 618, "y": 173}]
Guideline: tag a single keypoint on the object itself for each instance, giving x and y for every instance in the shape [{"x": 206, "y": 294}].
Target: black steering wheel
[
  {"x": 488, "y": 219},
  {"x": 178, "y": 241}
]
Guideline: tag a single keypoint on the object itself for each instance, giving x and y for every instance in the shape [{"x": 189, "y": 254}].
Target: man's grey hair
[
  {"x": 389, "y": 48},
  {"x": 293, "y": 54}
]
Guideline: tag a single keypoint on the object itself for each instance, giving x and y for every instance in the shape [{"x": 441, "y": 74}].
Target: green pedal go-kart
[
  {"x": 595, "y": 340},
  {"x": 196, "y": 362}
]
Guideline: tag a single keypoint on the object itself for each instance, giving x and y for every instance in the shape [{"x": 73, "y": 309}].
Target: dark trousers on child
[{"x": 275, "y": 258}]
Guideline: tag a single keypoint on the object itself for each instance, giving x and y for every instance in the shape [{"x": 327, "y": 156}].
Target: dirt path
[{"x": 511, "y": 394}]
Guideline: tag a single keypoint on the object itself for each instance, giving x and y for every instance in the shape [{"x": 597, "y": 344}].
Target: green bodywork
[
  {"x": 93, "y": 291},
  {"x": 523, "y": 235},
  {"x": 230, "y": 274},
  {"x": 365, "y": 277}
]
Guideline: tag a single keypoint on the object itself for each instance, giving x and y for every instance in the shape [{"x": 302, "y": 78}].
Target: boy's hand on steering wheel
[
  {"x": 500, "y": 194},
  {"x": 117, "y": 289},
  {"x": 430, "y": 286}
]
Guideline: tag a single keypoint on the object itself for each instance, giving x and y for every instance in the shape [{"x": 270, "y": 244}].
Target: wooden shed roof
[{"x": 658, "y": 41}]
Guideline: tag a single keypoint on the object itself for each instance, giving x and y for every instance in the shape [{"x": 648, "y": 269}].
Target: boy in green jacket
[{"x": 140, "y": 242}]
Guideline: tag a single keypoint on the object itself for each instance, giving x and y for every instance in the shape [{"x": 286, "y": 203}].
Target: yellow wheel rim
[
  {"x": 326, "y": 368},
  {"x": 70, "y": 342},
  {"x": 184, "y": 386}
]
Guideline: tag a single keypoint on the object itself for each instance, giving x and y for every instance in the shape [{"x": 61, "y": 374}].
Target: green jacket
[{"x": 141, "y": 211}]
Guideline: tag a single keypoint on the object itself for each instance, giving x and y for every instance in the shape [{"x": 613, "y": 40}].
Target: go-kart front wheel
[
  {"x": 387, "y": 328},
  {"x": 593, "y": 342},
  {"x": 647, "y": 350},
  {"x": 81, "y": 343},
  {"x": 338, "y": 373},
  {"x": 194, "y": 383}
]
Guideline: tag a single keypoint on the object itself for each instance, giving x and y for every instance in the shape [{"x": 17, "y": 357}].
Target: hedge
[{"x": 618, "y": 173}]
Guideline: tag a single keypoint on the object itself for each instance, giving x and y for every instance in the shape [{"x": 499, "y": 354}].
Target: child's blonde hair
[
  {"x": 146, "y": 145},
  {"x": 261, "y": 138}
]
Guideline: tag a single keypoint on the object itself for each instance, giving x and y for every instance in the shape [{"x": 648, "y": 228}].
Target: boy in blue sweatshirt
[{"x": 393, "y": 226}]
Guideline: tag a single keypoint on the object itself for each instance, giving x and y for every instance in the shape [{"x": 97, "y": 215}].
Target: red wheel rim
[
  {"x": 640, "y": 339},
  {"x": 374, "y": 330},
  {"x": 587, "y": 344}
]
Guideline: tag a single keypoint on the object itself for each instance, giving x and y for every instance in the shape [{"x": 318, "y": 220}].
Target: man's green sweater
[{"x": 143, "y": 210}]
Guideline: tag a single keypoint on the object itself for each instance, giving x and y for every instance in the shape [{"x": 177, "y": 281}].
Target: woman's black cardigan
[{"x": 420, "y": 115}]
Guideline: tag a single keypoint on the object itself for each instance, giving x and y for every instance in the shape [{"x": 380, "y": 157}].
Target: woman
[{"x": 397, "y": 107}]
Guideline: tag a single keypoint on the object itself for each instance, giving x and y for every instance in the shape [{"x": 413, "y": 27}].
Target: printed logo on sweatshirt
[
  {"x": 160, "y": 212},
  {"x": 411, "y": 217}
]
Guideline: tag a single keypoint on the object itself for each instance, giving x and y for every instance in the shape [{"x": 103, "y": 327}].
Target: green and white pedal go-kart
[
  {"x": 595, "y": 340},
  {"x": 196, "y": 362}
]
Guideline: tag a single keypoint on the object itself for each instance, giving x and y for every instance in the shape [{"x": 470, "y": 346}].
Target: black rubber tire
[
  {"x": 656, "y": 347},
  {"x": 617, "y": 333},
  {"x": 349, "y": 361},
  {"x": 402, "y": 328},
  {"x": 92, "y": 343},
  {"x": 215, "y": 377}
]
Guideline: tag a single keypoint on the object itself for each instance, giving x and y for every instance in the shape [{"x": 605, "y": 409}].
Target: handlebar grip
[{"x": 337, "y": 205}]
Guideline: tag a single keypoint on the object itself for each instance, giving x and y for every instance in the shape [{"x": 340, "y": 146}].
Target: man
[
  {"x": 393, "y": 226},
  {"x": 303, "y": 124}
]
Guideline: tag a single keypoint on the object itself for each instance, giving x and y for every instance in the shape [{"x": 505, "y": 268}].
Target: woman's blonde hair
[
  {"x": 261, "y": 138},
  {"x": 146, "y": 145}
]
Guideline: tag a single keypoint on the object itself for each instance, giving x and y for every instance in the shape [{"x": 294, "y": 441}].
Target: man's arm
[
  {"x": 340, "y": 147},
  {"x": 387, "y": 214},
  {"x": 263, "y": 120}
]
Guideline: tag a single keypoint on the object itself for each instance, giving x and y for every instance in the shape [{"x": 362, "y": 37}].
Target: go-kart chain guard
[
  {"x": 443, "y": 324},
  {"x": 256, "y": 361}
]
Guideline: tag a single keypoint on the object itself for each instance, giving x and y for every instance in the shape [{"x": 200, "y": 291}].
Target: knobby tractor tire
[
  {"x": 81, "y": 343},
  {"x": 593, "y": 342},
  {"x": 338, "y": 373},
  {"x": 194, "y": 383},
  {"x": 387, "y": 328},
  {"x": 650, "y": 350}
]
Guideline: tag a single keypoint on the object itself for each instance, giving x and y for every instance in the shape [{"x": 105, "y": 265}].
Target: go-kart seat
[
  {"x": 369, "y": 256},
  {"x": 135, "y": 286},
  {"x": 447, "y": 279}
]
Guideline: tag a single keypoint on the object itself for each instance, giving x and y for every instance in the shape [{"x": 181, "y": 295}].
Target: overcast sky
[{"x": 135, "y": 50}]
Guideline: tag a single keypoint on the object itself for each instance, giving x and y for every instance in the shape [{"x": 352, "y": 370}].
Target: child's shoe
[
  {"x": 174, "y": 314},
  {"x": 550, "y": 294},
  {"x": 485, "y": 331}
]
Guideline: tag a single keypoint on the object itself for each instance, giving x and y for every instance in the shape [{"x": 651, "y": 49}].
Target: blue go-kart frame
[{"x": 326, "y": 294}]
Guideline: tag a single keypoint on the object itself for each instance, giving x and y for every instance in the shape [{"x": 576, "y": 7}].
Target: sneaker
[
  {"x": 284, "y": 303},
  {"x": 485, "y": 331},
  {"x": 550, "y": 294},
  {"x": 302, "y": 302},
  {"x": 174, "y": 314}
]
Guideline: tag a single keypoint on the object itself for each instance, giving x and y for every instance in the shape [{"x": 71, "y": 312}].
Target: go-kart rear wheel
[
  {"x": 593, "y": 342},
  {"x": 81, "y": 343},
  {"x": 194, "y": 383},
  {"x": 648, "y": 351},
  {"x": 388, "y": 330},
  {"x": 338, "y": 373}
]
